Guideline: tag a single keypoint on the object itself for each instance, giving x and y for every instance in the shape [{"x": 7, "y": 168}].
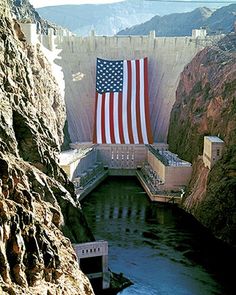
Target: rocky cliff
[
  {"x": 206, "y": 105},
  {"x": 37, "y": 201}
]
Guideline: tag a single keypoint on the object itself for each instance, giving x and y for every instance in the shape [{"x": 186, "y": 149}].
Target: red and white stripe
[{"x": 123, "y": 118}]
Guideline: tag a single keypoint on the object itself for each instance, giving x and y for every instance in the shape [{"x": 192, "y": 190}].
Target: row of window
[{"x": 122, "y": 156}]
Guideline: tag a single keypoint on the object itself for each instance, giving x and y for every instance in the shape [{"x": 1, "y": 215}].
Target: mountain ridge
[
  {"x": 181, "y": 24},
  {"x": 171, "y": 25},
  {"x": 109, "y": 19}
]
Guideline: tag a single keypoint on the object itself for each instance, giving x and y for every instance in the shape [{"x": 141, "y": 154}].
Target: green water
[{"x": 160, "y": 248}]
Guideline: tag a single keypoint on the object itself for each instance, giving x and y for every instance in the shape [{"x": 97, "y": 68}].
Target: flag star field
[{"x": 109, "y": 76}]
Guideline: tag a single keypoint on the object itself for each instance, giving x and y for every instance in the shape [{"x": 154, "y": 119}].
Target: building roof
[
  {"x": 214, "y": 139},
  {"x": 173, "y": 159}
]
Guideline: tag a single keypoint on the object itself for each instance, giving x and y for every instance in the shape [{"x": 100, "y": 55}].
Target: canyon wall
[
  {"x": 167, "y": 58},
  {"x": 206, "y": 105},
  {"x": 37, "y": 201}
]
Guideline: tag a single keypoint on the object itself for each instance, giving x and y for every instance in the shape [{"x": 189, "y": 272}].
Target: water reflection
[{"x": 162, "y": 250}]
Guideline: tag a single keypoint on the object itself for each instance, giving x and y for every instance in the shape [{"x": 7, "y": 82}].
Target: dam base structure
[{"x": 161, "y": 173}]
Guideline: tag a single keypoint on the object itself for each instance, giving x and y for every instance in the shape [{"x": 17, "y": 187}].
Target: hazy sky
[{"x": 41, "y": 3}]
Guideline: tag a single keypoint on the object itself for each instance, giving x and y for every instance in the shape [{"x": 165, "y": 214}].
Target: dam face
[{"x": 167, "y": 57}]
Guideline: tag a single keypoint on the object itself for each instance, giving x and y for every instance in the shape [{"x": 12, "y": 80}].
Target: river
[{"x": 160, "y": 248}]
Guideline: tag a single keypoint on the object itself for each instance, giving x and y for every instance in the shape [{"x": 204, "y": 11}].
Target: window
[{"x": 218, "y": 152}]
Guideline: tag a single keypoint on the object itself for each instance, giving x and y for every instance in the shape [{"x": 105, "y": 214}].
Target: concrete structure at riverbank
[
  {"x": 97, "y": 255},
  {"x": 213, "y": 149}
]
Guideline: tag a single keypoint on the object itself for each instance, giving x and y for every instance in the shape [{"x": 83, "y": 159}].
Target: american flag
[{"x": 122, "y": 104}]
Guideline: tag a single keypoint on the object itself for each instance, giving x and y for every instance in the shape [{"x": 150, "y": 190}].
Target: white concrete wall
[
  {"x": 30, "y": 33},
  {"x": 176, "y": 177},
  {"x": 157, "y": 165},
  {"x": 167, "y": 58}
]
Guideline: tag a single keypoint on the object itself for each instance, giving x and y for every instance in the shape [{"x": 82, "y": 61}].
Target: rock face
[
  {"x": 36, "y": 198},
  {"x": 206, "y": 105}
]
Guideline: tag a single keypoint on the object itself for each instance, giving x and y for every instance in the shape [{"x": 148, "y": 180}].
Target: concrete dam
[
  {"x": 167, "y": 57},
  {"x": 163, "y": 175}
]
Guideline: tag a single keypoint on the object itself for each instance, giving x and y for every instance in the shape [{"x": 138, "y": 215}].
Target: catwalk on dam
[{"x": 160, "y": 248}]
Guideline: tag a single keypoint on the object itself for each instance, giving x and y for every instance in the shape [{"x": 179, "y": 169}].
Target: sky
[{"x": 43, "y": 3}]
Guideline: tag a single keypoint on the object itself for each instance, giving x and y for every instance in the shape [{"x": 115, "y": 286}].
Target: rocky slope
[
  {"x": 181, "y": 24},
  {"x": 206, "y": 105},
  {"x": 37, "y": 201}
]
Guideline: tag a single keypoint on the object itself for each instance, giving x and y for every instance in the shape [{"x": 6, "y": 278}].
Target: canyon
[{"x": 192, "y": 94}]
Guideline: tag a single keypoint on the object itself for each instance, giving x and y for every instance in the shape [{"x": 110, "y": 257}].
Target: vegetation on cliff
[
  {"x": 206, "y": 105},
  {"x": 36, "y": 198}
]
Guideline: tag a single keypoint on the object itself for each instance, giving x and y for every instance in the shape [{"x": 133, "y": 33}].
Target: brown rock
[{"x": 34, "y": 254}]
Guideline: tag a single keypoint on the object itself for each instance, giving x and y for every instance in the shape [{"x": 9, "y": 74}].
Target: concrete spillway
[{"x": 167, "y": 58}]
